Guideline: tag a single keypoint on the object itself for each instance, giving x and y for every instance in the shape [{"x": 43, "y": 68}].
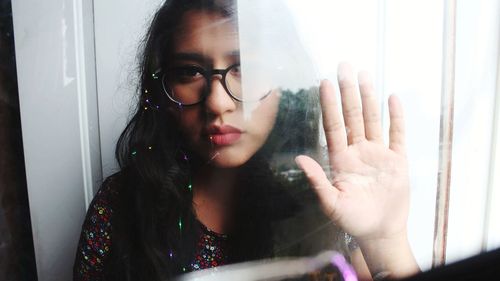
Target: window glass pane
[{"x": 171, "y": 130}]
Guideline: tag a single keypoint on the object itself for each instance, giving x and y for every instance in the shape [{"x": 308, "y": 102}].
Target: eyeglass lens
[{"x": 189, "y": 84}]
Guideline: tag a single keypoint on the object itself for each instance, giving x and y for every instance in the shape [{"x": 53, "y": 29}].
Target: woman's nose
[{"x": 218, "y": 100}]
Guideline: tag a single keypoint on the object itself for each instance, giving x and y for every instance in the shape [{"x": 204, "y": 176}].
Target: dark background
[{"x": 17, "y": 259}]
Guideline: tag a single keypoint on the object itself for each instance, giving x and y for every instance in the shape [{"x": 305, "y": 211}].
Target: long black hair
[{"x": 151, "y": 195}]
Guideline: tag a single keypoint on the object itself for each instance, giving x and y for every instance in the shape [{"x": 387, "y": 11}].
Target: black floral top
[{"x": 95, "y": 242}]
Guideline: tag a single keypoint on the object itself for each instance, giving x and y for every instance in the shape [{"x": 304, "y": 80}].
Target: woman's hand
[{"x": 368, "y": 194}]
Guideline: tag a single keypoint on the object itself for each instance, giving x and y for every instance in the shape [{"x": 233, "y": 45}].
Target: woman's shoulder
[
  {"x": 109, "y": 188},
  {"x": 101, "y": 207}
]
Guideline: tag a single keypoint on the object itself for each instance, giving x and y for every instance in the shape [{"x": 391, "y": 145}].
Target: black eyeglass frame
[{"x": 207, "y": 74}]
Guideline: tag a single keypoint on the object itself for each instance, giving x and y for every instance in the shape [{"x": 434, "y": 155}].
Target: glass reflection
[
  {"x": 283, "y": 49},
  {"x": 208, "y": 168}
]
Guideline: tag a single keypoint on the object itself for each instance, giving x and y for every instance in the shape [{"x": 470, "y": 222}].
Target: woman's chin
[{"x": 223, "y": 159}]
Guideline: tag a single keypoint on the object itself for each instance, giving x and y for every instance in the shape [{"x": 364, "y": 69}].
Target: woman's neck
[{"x": 212, "y": 197}]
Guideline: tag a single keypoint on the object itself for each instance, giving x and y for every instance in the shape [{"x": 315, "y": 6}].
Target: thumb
[{"x": 327, "y": 193}]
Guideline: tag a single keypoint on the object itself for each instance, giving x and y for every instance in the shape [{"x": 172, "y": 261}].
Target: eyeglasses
[{"x": 190, "y": 84}]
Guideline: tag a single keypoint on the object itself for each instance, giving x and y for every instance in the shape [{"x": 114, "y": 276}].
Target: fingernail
[
  {"x": 325, "y": 83},
  {"x": 364, "y": 77},
  {"x": 344, "y": 71},
  {"x": 297, "y": 161}
]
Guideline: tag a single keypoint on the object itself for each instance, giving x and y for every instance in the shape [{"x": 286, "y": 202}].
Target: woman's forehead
[{"x": 206, "y": 33}]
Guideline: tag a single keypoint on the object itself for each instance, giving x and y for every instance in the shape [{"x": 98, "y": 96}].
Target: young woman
[{"x": 196, "y": 188}]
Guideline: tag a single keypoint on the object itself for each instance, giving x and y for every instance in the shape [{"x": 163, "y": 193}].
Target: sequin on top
[
  {"x": 211, "y": 250},
  {"x": 96, "y": 238}
]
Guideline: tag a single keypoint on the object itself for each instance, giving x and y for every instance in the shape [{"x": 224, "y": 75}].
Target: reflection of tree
[
  {"x": 307, "y": 231},
  {"x": 296, "y": 130},
  {"x": 302, "y": 113}
]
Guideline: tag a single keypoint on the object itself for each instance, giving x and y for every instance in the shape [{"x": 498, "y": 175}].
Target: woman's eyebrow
[{"x": 201, "y": 58}]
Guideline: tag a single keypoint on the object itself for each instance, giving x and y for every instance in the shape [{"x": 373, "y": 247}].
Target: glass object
[{"x": 284, "y": 49}]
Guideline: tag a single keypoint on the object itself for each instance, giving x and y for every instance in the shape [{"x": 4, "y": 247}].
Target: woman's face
[{"x": 222, "y": 131}]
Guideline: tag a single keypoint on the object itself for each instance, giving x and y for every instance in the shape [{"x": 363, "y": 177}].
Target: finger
[
  {"x": 371, "y": 109},
  {"x": 397, "y": 128},
  {"x": 327, "y": 193},
  {"x": 351, "y": 104},
  {"x": 332, "y": 121}
]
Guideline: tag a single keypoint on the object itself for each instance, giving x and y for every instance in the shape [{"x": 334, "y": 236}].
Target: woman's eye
[
  {"x": 235, "y": 71},
  {"x": 187, "y": 73}
]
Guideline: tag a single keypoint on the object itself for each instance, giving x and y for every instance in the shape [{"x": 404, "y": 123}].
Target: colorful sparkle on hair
[
  {"x": 180, "y": 223},
  {"x": 134, "y": 153},
  {"x": 149, "y": 103}
]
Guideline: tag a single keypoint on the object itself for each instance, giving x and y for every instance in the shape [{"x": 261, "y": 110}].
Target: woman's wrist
[{"x": 389, "y": 256}]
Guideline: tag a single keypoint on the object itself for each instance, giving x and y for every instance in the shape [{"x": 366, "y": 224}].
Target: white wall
[
  {"x": 117, "y": 43},
  {"x": 58, "y": 101}
]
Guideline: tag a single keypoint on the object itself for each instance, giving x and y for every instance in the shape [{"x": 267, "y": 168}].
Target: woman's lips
[
  {"x": 223, "y": 135},
  {"x": 224, "y": 139}
]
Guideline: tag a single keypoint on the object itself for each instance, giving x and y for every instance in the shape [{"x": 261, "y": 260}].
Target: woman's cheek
[{"x": 188, "y": 122}]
